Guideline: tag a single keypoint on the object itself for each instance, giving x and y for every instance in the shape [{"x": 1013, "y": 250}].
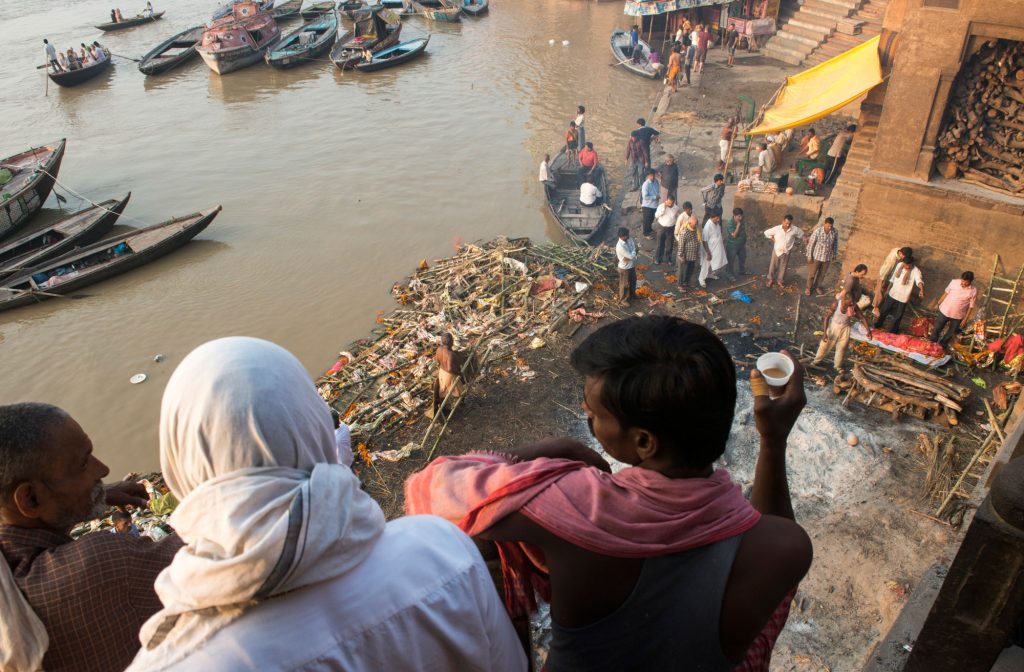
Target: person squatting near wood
[
  {"x": 663, "y": 561},
  {"x": 666, "y": 216},
  {"x": 899, "y": 289},
  {"x": 956, "y": 307},
  {"x": 836, "y": 325},
  {"x": 783, "y": 237},
  {"x": 822, "y": 250},
  {"x": 289, "y": 564},
  {"x": 625, "y": 251},
  {"x": 690, "y": 245},
  {"x": 67, "y": 605}
]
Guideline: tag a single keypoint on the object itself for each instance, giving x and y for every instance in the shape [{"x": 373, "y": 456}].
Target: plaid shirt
[
  {"x": 822, "y": 245},
  {"x": 93, "y": 595}
]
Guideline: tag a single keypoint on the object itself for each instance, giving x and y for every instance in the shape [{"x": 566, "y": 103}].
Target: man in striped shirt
[{"x": 822, "y": 249}]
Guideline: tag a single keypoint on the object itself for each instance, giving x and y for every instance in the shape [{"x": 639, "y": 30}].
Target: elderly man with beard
[{"x": 64, "y": 604}]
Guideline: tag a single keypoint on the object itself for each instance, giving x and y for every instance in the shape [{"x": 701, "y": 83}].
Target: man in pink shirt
[{"x": 955, "y": 308}]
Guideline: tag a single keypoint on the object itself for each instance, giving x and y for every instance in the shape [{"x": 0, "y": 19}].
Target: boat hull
[
  {"x": 413, "y": 52},
  {"x": 620, "y": 42},
  {"x": 580, "y": 222},
  {"x": 76, "y": 77},
  {"x": 228, "y": 60},
  {"x": 154, "y": 63},
  {"x": 285, "y": 55},
  {"x": 22, "y": 204}
]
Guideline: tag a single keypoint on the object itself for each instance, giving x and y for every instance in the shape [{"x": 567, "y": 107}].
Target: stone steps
[
  {"x": 806, "y": 28},
  {"x": 870, "y": 14}
]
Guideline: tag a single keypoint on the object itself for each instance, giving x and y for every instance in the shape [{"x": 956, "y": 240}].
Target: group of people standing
[{"x": 66, "y": 62}]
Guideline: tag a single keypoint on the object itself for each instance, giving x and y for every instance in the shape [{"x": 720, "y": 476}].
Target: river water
[{"x": 333, "y": 186}]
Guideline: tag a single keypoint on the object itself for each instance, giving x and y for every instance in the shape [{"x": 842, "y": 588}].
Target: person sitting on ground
[
  {"x": 67, "y": 605},
  {"x": 588, "y": 162},
  {"x": 810, "y": 146},
  {"x": 663, "y": 561},
  {"x": 590, "y": 195},
  {"x": 289, "y": 565},
  {"x": 836, "y": 328},
  {"x": 122, "y": 523}
]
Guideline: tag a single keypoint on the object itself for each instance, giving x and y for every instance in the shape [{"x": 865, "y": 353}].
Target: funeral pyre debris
[
  {"x": 150, "y": 522},
  {"x": 899, "y": 388},
  {"x": 494, "y": 298}
]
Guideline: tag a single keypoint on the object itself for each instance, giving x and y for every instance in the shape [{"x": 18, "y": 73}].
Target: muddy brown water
[{"x": 333, "y": 186}]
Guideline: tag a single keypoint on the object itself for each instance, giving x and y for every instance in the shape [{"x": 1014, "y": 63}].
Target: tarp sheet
[
  {"x": 823, "y": 89},
  {"x": 637, "y": 8}
]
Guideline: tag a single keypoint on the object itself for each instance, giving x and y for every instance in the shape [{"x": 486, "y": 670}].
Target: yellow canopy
[{"x": 823, "y": 89}]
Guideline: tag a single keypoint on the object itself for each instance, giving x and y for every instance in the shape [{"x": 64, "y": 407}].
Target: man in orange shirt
[{"x": 589, "y": 163}]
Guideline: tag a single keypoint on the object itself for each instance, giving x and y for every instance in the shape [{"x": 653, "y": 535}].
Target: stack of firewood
[
  {"x": 901, "y": 388},
  {"x": 984, "y": 136}
]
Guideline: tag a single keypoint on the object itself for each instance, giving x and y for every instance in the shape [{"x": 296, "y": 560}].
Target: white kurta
[{"x": 716, "y": 244}]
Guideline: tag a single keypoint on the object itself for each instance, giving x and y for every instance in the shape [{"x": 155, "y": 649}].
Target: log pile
[
  {"x": 983, "y": 141},
  {"x": 493, "y": 298},
  {"x": 900, "y": 388}
]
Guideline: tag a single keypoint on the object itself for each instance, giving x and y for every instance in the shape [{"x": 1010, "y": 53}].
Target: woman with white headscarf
[{"x": 288, "y": 564}]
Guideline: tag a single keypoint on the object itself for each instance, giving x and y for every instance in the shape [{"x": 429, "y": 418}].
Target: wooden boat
[
  {"x": 316, "y": 10},
  {"x": 172, "y": 52},
  {"x": 33, "y": 173},
  {"x": 286, "y": 10},
  {"x": 621, "y": 50},
  {"x": 377, "y": 29},
  {"x": 130, "y": 23},
  {"x": 226, "y": 9},
  {"x": 80, "y": 229},
  {"x": 352, "y": 7},
  {"x": 442, "y": 10},
  {"x": 400, "y": 7},
  {"x": 396, "y": 55},
  {"x": 83, "y": 74},
  {"x": 476, "y": 7},
  {"x": 234, "y": 42},
  {"x": 102, "y": 260},
  {"x": 583, "y": 221},
  {"x": 311, "y": 40}
]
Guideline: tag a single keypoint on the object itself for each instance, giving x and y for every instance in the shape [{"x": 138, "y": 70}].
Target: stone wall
[
  {"x": 764, "y": 211},
  {"x": 952, "y": 227}
]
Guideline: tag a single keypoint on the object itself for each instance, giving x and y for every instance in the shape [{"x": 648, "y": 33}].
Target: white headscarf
[
  {"x": 23, "y": 638},
  {"x": 248, "y": 447}
]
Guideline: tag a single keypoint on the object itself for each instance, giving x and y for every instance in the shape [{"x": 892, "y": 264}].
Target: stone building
[{"x": 901, "y": 186}]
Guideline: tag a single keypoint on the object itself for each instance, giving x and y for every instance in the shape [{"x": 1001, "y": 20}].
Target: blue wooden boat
[
  {"x": 304, "y": 44},
  {"x": 475, "y": 7},
  {"x": 396, "y": 55}
]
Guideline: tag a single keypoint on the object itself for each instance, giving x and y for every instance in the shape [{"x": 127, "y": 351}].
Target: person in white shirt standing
[
  {"x": 714, "y": 257},
  {"x": 783, "y": 237},
  {"x": 666, "y": 216},
  {"x": 766, "y": 161},
  {"x": 51, "y": 56},
  {"x": 900, "y": 288},
  {"x": 625, "y": 250},
  {"x": 545, "y": 171}
]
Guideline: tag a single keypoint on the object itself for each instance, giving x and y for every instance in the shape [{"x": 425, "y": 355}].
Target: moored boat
[
  {"x": 172, "y": 52},
  {"x": 351, "y": 7},
  {"x": 375, "y": 30},
  {"x": 316, "y": 10},
  {"x": 81, "y": 74},
  {"x": 29, "y": 178},
  {"x": 396, "y": 55},
  {"x": 311, "y": 40},
  {"x": 234, "y": 42},
  {"x": 476, "y": 7},
  {"x": 563, "y": 196},
  {"x": 638, "y": 62},
  {"x": 225, "y": 9},
  {"x": 131, "y": 22},
  {"x": 78, "y": 230},
  {"x": 286, "y": 10},
  {"x": 400, "y": 7},
  {"x": 438, "y": 10},
  {"x": 102, "y": 260}
]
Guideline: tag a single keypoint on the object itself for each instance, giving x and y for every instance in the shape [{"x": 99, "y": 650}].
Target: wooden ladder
[{"x": 1002, "y": 293}]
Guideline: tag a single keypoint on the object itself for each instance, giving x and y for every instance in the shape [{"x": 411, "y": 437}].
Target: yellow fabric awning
[{"x": 823, "y": 89}]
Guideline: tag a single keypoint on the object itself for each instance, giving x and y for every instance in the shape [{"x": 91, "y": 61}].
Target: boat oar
[
  {"x": 137, "y": 60},
  {"x": 39, "y": 291}
]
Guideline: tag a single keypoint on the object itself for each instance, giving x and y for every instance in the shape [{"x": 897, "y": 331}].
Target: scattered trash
[
  {"x": 979, "y": 382},
  {"x": 581, "y": 287},
  {"x": 852, "y": 439},
  {"x": 150, "y": 522},
  {"x": 740, "y": 296},
  {"x": 137, "y": 378},
  {"x": 158, "y": 358},
  {"x": 537, "y": 343}
]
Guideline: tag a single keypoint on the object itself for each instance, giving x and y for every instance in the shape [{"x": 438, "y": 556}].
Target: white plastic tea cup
[{"x": 775, "y": 362}]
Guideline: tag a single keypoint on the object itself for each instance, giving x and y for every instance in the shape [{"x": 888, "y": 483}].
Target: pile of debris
[
  {"x": 491, "y": 297},
  {"x": 898, "y": 388},
  {"x": 150, "y": 522},
  {"x": 984, "y": 137}
]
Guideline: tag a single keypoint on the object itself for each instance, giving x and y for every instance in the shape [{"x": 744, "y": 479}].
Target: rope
[{"x": 71, "y": 191}]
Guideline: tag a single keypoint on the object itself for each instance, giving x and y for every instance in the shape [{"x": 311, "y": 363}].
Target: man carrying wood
[{"x": 836, "y": 326}]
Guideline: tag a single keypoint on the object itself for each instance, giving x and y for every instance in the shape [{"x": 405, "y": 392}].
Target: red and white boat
[{"x": 236, "y": 41}]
